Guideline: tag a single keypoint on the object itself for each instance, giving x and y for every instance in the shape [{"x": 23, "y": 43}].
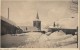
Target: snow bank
[
  {"x": 32, "y": 36},
  {"x": 58, "y": 35},
  {"x": 12, "y": 41},
  {"x": 38, "y": 40},
  {"x": 43, "y": 38}
]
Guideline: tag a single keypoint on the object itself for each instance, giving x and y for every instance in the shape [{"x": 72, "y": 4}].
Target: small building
[
  {"x": 66, "y": 30},
  {"x": 7, "y": 26}
]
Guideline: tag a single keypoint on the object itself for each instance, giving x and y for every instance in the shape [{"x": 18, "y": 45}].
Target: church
[{"x": 37, "y": 23}]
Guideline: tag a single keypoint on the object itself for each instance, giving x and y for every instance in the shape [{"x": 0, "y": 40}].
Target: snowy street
[{"x": 39, "y": 40}]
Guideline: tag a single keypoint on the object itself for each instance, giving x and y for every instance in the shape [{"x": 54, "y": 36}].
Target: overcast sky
[{"x": 23, "y": 12}]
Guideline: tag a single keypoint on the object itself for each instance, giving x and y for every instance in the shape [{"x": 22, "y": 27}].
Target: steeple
[
  {"x": 37, "y": 17},
  {"x": 37, "y": 23}
]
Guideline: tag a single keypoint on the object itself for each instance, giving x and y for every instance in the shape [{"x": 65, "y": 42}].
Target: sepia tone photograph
[{"x": 39, "y": 24}]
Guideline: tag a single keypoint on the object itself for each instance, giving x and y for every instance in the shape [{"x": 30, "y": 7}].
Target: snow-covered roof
[
  {"x": 67, "y": 23},
  {"x": 8, "y": 21},
  {"x": 36, "y": 20},
  {"x": 53, "y": 27},
  {"x": 63, "y": 27},
  {"x": 29, "y": 28}
]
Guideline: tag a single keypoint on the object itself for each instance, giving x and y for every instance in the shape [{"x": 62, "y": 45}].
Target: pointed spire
[{"x": 37, "y": 16}]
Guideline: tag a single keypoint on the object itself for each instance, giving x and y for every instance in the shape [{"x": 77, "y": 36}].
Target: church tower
[{"x": 37, "y": 23}]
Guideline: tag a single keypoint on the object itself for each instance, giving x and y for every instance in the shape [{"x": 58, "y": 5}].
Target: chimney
[{"x": 8, "y": 13}]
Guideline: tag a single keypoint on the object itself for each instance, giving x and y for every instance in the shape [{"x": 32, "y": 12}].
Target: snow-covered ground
[{"x": 39, "y": 40}]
